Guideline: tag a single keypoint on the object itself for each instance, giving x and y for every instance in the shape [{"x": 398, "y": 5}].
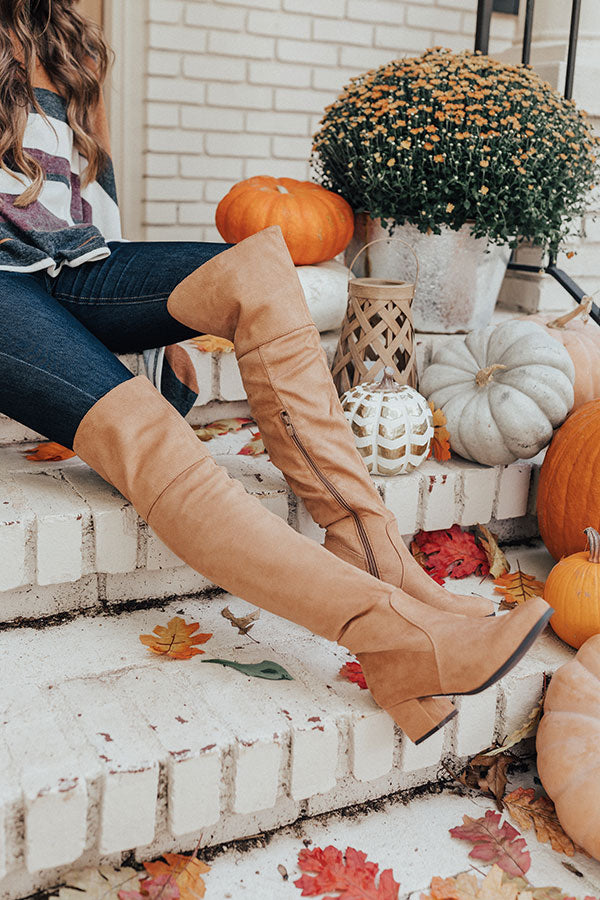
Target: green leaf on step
[{"x": 265, "y": 669}]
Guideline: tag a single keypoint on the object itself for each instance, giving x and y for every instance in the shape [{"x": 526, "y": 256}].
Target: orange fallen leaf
[
  {"x": 517, "y": 587},
  {"x": 210, "y": 343},
  {"x": 528, "y": 811},
  {"x": 221, "y": 426},
  {"x": 186, "y": 872},
  {"x": 440, "y": 443},
  {"x": 255, "y": 447},
  {"x": 49, "y": 452},
  {"x": 175, "y": 639}
]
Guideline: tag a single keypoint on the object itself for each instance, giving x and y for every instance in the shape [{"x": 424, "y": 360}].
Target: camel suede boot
[
  {"x": 138, "y": 442},
  {"x": 251, "y": 295}
]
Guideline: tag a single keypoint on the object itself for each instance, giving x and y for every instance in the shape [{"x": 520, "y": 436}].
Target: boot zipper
[{"x": 362, "y": 533}]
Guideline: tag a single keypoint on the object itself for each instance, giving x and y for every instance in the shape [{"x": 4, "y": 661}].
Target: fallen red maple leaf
[
  {"x": 452, "y": 553},
  {"x": 350, "y": 874},
  {"x": 352, "y": 671},
  {"x": 163, "y": 887},
  {"x": 495, "y": 843}
]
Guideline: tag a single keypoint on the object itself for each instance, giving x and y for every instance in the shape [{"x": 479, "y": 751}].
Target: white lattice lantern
[{"x": 392, "y": 425}]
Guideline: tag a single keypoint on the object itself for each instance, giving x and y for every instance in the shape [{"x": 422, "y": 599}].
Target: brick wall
[{"x": 237, "y": 87}]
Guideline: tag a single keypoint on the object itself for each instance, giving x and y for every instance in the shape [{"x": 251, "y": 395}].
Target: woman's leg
[
  {"x": 124, "y": 301},
  {"x": 52, "y": 370}
]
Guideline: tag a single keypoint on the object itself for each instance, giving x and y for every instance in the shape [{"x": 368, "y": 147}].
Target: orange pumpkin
[
  {"x": 573, "y": 589},
  {"x": 581, "y": 337},
  {"x": 568, "y": 498},
  {"x": 316, "y": 223}
]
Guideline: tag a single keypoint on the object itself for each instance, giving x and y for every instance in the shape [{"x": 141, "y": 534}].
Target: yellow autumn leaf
[
  {"x": 210, "y": 343},
  {"x": 176, "y": 639},
  {"x": 220, "y": 427}
]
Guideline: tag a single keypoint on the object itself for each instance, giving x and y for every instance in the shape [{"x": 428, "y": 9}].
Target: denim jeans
[{"x": 58, "y": 336}]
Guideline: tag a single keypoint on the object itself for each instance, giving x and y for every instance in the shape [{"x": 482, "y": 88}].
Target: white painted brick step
[
  {"x": 70, "y": 542},
  {"x": 107, "y": 748}
]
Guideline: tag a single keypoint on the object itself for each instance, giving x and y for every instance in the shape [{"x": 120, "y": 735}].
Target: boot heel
[{"x": 419, "y": 719}]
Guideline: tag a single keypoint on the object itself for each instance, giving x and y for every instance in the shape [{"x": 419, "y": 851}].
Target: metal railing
[{"x": 482, "y": 41}]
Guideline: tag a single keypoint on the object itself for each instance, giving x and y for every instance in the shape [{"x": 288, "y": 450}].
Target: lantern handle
[{"x": 379, "y": 240}]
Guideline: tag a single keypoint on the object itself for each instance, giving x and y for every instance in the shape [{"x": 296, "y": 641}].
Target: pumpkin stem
[
  {"x": 282, "y": 189},
  {"x": 388, "y": 382},
  {"x": 583, "y": 310},
  {"x": 484, "y": 376},
  {"x": 593, "y": 544}
]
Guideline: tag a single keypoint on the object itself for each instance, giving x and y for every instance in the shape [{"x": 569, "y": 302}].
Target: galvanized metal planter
[{"x": 460, "y": 275}]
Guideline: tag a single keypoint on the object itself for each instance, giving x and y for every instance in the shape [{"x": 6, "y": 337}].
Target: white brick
[
  {"x": 231, "y": 386},
  {"x": 278, "y": 24},
  {"x": 401, "y": 496},
  {"x": 211, "y": 119},
  {"x": 422, "y": 756},
  {"x": 377, "y": 11},
  {"x": 209, "y": 167},
  {"x": 439, "y": 508},
  {"x": 343, "y": 32},
  {"x": 301, "y": 51},
  {"x": 209, "y": 15},
  {"x": 306, "y": 525},
  {"x": 513, "y": 491},
  {"x": 161, "y": 62},
  {"x": 360, "y": 58},
  {"x": 159, "y": 556},
  {"x": 520, "y": 695},
  {"x": 372, "y": 746},
  {"x": 278, "y": 122},
  {"x": 166, "y": 10},
  {"x": 160, "y": 213},
  {"x": 331, "y": 79},
  {"x": 114, "y": 519},
  {"x": 332, "y": 8},
  {"x": 240, "y": 96},
  {"x": 256, "y": 776},
  {"x": 142, "y": 583},
  {"x": 442, "y": 19},
  {"x": 277, "y": 168},
  {"x": 174, "y": 90},
  {"x": 177, "y": 37},
  {"x": 196, "y": 213},
  {"x": 277, "y": 504},
  {"x": 245, "y": 45},
  {"x": 162, "y": 114},
  {"x": 292, "y": 147},
  {"x": 301, "y": 100},
  {"x": 401, "y": 37},
  {"x": 214, "y": 68},
  {"x": 262, "y": 4},
  {"x": 55, "y": 824},
  {"x": 127, "y": 753},
  {"x": 246, "y": 145},
  {"x": 216, "y": 190},
  {"x": 475, "y": 723},
  {"x": 157, "y": 164},
  {"x": 15, "y": 525},
  {"x": 276, "y": 73},
  {"x": 478, "y": 493},
  {"x": 314, "y": 759},
  {"x": 58, "y": 527},
  {"x": 173, "y": 189}
]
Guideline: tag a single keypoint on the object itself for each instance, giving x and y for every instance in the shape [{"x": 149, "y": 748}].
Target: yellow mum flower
[
  {"x": 406, "y": 144},
  {"x": 483, "y": 189},
  {"x": 391, "y": 162},
  {"x": 450, "y": 207},
  {"x": 484, "y": 163}
]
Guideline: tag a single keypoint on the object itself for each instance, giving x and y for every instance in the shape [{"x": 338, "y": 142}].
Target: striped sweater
[{"x": 68, "y": 224}]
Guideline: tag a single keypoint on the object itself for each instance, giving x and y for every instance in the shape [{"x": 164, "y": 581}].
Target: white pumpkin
[
  {"x": 391, "y": 422},
  {"x": 503, "y": 390}
]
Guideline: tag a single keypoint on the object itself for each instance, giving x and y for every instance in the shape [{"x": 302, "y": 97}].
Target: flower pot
[{"x": 460, "y": 275}]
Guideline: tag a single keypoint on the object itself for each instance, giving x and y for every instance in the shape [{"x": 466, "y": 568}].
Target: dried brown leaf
[
  {"x": 488, "y": 542},
  {"x": 539, "y": 813},
  {"x": 242, "y": 623}
]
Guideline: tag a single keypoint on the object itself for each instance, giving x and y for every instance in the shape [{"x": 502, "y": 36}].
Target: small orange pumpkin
[
  {"x": 573, "y": 589},
  {"x": 316, "y": 223},
  {"x": 568, "y": 498},
  {"x": 581, "y": 337}
]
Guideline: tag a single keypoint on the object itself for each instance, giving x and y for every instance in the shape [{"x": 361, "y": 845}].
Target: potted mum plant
[{"x": 462, "y": 156}]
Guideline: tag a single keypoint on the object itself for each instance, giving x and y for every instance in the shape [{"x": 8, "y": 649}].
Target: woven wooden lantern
[{"x": 377, "y": 331}]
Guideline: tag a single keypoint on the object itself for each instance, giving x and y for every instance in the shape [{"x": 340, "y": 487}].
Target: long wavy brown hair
[{"x": 75, "y": 55}]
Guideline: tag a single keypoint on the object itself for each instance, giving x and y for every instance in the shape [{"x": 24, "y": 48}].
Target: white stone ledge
[{"x": 108, "y": 748}]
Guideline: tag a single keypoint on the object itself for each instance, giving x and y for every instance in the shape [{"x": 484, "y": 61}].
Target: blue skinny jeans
[{"x": 58, "y": 336}]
